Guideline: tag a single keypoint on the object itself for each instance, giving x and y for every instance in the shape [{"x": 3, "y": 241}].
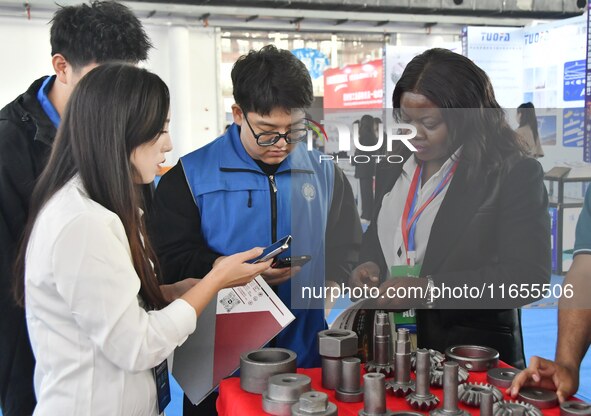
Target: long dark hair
[
  {"x": 527, "y": 111},
  {"x": 452, "y": 81},
  {"x": 113, "y": 109}
]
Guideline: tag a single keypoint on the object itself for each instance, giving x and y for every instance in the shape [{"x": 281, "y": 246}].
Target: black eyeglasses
[{"x": 269, "y": 138}]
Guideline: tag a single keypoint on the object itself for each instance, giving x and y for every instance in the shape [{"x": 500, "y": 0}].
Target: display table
[{"x": 233, "y": 401}]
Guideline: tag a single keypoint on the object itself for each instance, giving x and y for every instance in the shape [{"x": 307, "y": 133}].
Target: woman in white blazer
[{"x": 98, "y": 319}]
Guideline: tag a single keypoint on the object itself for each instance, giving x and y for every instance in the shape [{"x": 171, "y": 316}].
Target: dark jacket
[
  {"x": 494, "y": 229},
  {"x": 366, "y": 170},
  {"x": 26, "y": 136}
]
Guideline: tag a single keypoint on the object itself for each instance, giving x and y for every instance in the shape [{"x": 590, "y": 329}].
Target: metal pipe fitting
[
  {"x": 374, "y": 395},
  {"x": 473, "y": 357},
  {"x": 402, "y": 384},
  {"x": 349, "y": 390},
  {"x": 257, "y": 366},
  {"x": 541, "y": 398},
  {"x": 335, "y": 344},
  {"x": 314, "y": 403},
  {"x": 574, "y": 408},
  {"x": 422, "y": 399},
  {"x": 501, "y": 377},
  {"x": 486, "y": 403},
  {"x": 450, "y": 392},
  {"x": 284, "y": 390},
  {"x": 382, "y": 347}
]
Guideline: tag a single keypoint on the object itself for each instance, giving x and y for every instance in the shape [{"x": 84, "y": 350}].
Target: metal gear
[
  {"x": 373, "y": 367},
  {"x": 437, "y": 359},
  {"x": 470, "y": 393},
  {"x": 437, "y": 376},
  {"x": 510, "y": 408}
]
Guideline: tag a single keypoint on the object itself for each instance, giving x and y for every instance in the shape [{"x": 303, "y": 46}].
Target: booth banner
[
  {"x": 587, "y": 135},
  {"x": 315, "y": 61},
  {"x": 499, "y": 52},
  {"x": 354, "y": 86}
]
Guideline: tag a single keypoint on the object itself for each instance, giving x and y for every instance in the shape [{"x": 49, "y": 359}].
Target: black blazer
[{"x": 494, "y": 229}]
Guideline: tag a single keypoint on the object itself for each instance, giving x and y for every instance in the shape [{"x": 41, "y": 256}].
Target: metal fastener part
[
  {"x": 437, "y": 376},
  {"x": 374, "y": 395},
  {"x": 450, "y": 392},
  {"x": 437, "y": 359},
  {"x": 511, "y": 408},
  {"x": 422, "y": 398},
  {"x": 486, "y": 403},
  {"x": 473, "y": 357},
  {"x": 541, "y": 398},
  {"x": 314, "y": 403},
  {"x": 382, "y": 347},
  {"x": 574, "y": 408},
  {"x": 257, "y": 366},
  {"x": 283, "y": 392},
  {"x": 406, "y": 413},
  {"x": 501, "y": 377},
  {"x": 349, "y": 390},
  {"x": 335, "y": 344},
  {"x": 470, "y": 393},
  {"x": 402, "y": 384}
]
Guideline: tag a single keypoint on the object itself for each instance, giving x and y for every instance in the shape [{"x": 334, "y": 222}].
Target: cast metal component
[
  {"x": 422, "y": 399},
  {"x": 450, "y": 392},
  {"x": 349, "y": 390},
  {"x": 257, "y": 366},
  {"x": 335, "y": 344},
  {"x": 374, "y": 395},
  {"x": 574, "y": 408},
  {"x": 437, "y": 376},
  {"x": 406, "y": 413},
  {"x": 382, "y": 347},
  {"x": 486, "y": 403},
  {"x": 402, "y": 384},
  {"x": 541, "y": 398},
  {"x": 283, "y": 391},
  {"x": 314, "y": 403},
  {"x": 437, "y": 359},
  {"x": 511, "y": 408},
  {"x": 501, "y": 377},
  {"x": 470, "y": 393},
  {"x": 473, "y": 357}
]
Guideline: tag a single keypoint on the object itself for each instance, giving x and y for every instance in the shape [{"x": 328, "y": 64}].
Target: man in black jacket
[{"x": 82, "y": 37}]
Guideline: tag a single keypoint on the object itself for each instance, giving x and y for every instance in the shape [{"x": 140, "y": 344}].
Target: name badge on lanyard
[
  {"x": 411, "y": 214},
  {"x": 162, "y": 385}
]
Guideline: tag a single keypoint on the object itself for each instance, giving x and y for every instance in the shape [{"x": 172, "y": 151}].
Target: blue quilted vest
[{"x": 240, "y": 209}]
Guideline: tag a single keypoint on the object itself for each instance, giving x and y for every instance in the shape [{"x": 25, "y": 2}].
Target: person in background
[
  {"x": 527, "y": 131},
  {"x": 241, "y": 190},
  {"x": 574, "y": 322},
  {"x": 365, "y": 171},
  {"x": 467, "y": 208},
  {"x": 98, "y": 319},
  {"x": 81, "y": 37}
]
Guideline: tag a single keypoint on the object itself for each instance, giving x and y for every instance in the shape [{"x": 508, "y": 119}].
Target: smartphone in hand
[
  {"x": 291, "y": 261},
  {"x": 273, "y": 250}
]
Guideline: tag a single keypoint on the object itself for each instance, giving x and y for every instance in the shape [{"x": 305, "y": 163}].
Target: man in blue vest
[
  {"x": 82, "y": 37},
  {"x": 256, "y": 184}
]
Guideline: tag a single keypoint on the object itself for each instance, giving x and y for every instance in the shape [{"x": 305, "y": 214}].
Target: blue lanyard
[
  {"x": 46, "y": 105},
  {"x": 409, "y": 217}
]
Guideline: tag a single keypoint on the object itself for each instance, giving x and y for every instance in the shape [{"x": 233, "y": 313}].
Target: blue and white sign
[
  {"x": 573, "y": 127},
  {"x": 315, "y": 61},
  {"x": 574, "y": 80}
]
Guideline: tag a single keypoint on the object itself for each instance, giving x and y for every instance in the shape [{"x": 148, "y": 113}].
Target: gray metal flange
[
  {"x": 314, "y": 403},
  {"x": 574, "y": 408},
  {"x": 284, "y": 390}
]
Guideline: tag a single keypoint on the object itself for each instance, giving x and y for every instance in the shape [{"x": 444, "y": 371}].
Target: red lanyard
[{"x": 409, "y": 225}]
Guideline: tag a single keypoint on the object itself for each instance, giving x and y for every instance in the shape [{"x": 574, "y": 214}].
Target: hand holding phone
[
  {"x": 273, "y": 250},
  {"x": 293, "y": 261}
]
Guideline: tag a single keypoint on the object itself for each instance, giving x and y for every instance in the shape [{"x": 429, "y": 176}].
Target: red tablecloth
[{"x": 233, "y": 401}]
